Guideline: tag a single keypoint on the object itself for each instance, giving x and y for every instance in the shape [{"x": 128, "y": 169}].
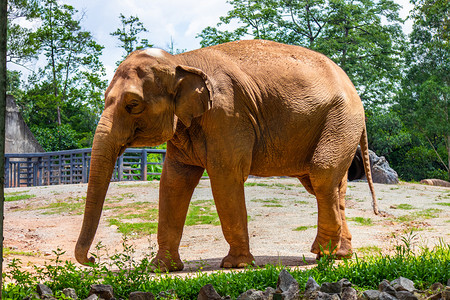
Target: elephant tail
[{"x": 366, "y": 162}]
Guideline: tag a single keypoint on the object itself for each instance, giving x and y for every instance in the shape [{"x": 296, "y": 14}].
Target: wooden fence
[{"x": 72, "y": 166}]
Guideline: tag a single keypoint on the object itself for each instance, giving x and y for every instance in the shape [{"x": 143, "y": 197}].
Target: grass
[
  {"x": 126, "y": 274},
  {"x": 271, "y": 185},
  {"x": 362, "y": 221},
  {"x": 69, "y": 205},
  {"x": 8, "y": 251},
  {"x": 366, "y": 250},
  {"x": 443, "y": 203},
  {"x": 202, "y": 212},
  {"x": 270, "y": 200},
  {"x": 303, "y": 228},
  {"x": 134, "y": 229},
  {"x": 15, "y": 196},
  {"x": 428, "y": 213},
  {"x": 405, "y": 206}
]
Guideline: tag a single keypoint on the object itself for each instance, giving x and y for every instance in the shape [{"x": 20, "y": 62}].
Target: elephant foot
[
  {"x": 165, "y": 262},
  {"x": 340, "y": 250},
  {"x": 238, "y": 261},
  {"x": 325, "y": 245},
  {"x": 345, "y": 250}
]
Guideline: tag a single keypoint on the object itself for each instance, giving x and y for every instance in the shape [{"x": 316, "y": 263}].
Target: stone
[
  {"x": 437, "y": 296},
  {"x": 252, "y": 295},
  {"x": 92, "y": 297},
  {"x": 403, "y": 284},
  {"x": 269, "y": 291},
  {"x": 141, "y": 296},
  {"x": 371, "y": 294},
  {"x": 331, "y": 287},
  {"x": 448, "y": 282},
  {"x": 318, "y": 295},
  {"x": 70, "y": 293},
  {"x": 386, "y": 287},
  {"x": 293, "y": 293},
  {"x": 381, "y": 171},
  {"x": 349, "y": 293},
  {"x": 311, "y": 286},
  {"x": 405, "y": 295},
  {"x": 446, "y": 294},
  {"x": 345, "y": 283},
  {"x": 285, "y": 280},
  {"x": 208, "y": 293},
  {"x": 44, "y": 290},
  {"x": 437, "y": 286},
  {"x": 386, "y": 296},
  {"x": 102, "y": 291}
]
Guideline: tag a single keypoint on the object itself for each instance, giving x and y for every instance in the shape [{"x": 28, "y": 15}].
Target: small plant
[
  {"x": 443, "y": 203},
  {"x": 362, "y": 221},
  {"x": 15, "y": 196},
  {"x": 303, "y": 228},
  {"x": 405, "y": 206}
]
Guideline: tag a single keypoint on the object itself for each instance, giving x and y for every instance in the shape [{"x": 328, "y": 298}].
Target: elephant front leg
[
  {"x": 228, "y": 192},
  {"x": 178, "y": 182}
]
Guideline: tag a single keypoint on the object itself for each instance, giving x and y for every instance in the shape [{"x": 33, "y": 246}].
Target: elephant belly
[{"x": 279, "y": 163}]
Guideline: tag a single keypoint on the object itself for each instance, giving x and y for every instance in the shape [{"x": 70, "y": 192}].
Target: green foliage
[
  {"x": 126, "y": 274},
  {"x": 128, "y": 35},
  {"x": 18, "y": 196},
  {"x": 363, "y": 37},
  {"x": 56, "y": 138}
]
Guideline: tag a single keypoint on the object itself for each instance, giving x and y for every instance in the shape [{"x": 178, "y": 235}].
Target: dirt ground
[{"x": 282, "y": 219}]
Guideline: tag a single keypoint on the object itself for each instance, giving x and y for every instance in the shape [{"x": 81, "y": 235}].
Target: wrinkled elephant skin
[{"x": 236, "y": 109}]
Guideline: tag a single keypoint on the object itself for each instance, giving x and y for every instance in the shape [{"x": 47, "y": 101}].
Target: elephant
[{"x": 250, "y": 107}]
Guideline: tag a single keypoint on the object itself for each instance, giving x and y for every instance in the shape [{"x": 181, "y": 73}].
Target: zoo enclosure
[{"x": 72, "y": 166}]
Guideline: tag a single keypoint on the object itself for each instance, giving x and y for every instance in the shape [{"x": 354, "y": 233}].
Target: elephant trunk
[{"x": 103, "y": 158}]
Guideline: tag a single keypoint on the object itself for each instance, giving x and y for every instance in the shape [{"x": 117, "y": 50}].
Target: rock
[
  {"x": 437, "y": 296},
  {"x": 386, "y": 296},
  {"x": 403, "y": 284},
  {"x": 345, "y": 283},
  {"x": 141, "y": 296},
  {"x": 208, "y": 293},
  {"x": 70, "y": 293},
  {"x": 102, "y": 291},
  {"x": 349, "y": 293},
  {"x": 448, "y": 282},
  {"x": 371, "y": 294},
  {"x": 92, "y": 297},
  {"x": 437, "y": 286},
  {"x": 435, "y": 182},
  {"x": 285, "y": 280},
  {"x": 386, "y": 287},
  {"x": 252, "y": 295},
  {"x": 324, "y": 296},
  {"x": 287, "y": 286},
  {"x": 446, "y": 294},
  {"x": 405, "y": 295},
  {"x": 33, "y": 296},
  {"x": 381, "y": 171},
  {"x": 269, "y": 291},
  {"x": 331, "y": 287},
  {"x": 44, "y": 290},
  {"x": 311, "y": 286}
]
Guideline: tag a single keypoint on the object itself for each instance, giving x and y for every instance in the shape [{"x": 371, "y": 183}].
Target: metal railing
[{"x": 72, "y": 166}]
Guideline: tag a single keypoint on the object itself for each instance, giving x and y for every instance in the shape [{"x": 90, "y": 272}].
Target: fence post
[
  {"x": 120, "y": 168},
  {"x": 7, "y": 170},
  {"x": 144, "y": 165}
]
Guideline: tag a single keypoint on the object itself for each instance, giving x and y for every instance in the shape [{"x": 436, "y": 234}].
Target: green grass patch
[
  {"x": 271, "y": 185},
  {"x": 428, "y": 213},
  {"x": 69, "y": 205},
  {"x": 15, "y": 196},
  {"x": 8, "y": 251},
  {"x": 366, "y": 250},
  {"x": 127, "y": 275},
  {"x": 202, "y": 212},
  {"x": 134, "y": 229},
  {"x": 362, "y": 221},
  {"x": 272, "y": 205},
  {"x": 303, "y": 228},
  {"x": 271, "y": 200},
  {"x": 443, "y": 204},
  {"x": 405, "y": 206}
]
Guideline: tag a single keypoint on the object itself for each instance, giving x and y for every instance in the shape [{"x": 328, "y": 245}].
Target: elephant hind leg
[
  {"x": 345, "y": 250},
  {"x": 306, "y": 182}
]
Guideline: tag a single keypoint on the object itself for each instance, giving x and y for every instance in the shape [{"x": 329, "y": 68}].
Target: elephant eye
[{"x": 134, "y": 105}]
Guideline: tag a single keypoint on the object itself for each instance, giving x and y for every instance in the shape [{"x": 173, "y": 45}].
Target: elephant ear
[{"x": 193, "y": 93}]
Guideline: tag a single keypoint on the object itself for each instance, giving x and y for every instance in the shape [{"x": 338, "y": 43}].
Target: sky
[{"x": 179, "y": 20}]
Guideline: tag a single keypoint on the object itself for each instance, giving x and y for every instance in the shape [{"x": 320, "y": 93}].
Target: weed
[
  {"x": 303, "y": 228},
  {"x": 301, "y": 202},
  {"x": 443, "y": 203},
  {"x": 362, "y": 221},
  {"x": 405, "y": 206},
  {"x": 366, "y": 250},
  {"x": 15, "y": 196},
  {"x": 134, "y": 229},
  {"x": 272, "y": 205},
  {"x": 8, "y": 251}
]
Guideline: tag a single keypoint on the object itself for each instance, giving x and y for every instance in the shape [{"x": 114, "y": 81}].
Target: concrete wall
[{"x": 18, "y": 137}]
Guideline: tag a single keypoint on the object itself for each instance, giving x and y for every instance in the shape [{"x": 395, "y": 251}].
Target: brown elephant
[{"x": 237, "y": 109}]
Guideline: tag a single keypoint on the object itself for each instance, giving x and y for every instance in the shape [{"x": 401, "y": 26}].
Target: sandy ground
[{"x": 36, "y": 227}]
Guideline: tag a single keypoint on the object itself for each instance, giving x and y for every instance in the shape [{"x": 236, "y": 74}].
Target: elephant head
[{"x": 150, "y": 91}]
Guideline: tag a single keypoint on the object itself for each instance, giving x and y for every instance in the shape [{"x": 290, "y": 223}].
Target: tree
[
  {"x": 364, "y": 37},
  {"x": 424, "y": 101},
  {"x": 128, "y": 35},
  {"x": 70, "y": 84}
]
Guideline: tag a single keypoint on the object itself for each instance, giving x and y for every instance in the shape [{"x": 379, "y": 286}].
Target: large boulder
[{"x": 381, "y": 171}]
